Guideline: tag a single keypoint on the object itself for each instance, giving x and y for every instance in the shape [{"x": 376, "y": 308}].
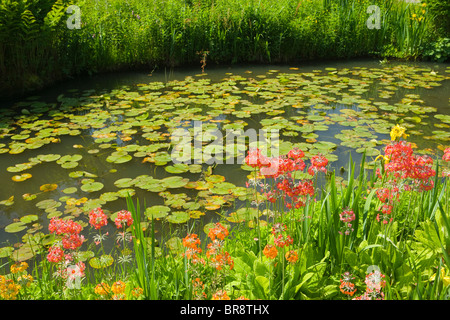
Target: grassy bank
[{"x": 37, "y": 47}]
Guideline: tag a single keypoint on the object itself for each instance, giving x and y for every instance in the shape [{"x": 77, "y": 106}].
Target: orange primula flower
[
  {"x": 292, "y": 256},
  {"x": 219, "y": 232},
  {"x": 270, "y": 251}
]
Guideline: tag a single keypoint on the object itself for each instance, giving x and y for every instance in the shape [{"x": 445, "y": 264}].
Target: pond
[{"x": 89, "y": 142}]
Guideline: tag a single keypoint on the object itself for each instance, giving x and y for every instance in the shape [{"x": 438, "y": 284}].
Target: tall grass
[{"x": 37, "y": 48}]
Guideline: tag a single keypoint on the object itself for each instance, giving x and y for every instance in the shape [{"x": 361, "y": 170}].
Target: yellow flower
[
  {"x": 220, "y": 295},
  {"x": 386, "y": 159},
  {"x": 118, "y": 287},
  {"x": 25, "y": 280},
  {"x": 137, "y": 292},
  {"x": 15, "y": 268},
  {"x": 8, "y": 289},
  {"x": 424, "y": 4},
  {"x": 445, "y": 279},
  {"x": 102, "y": 289},
  {"x": 398, "y": 132}
]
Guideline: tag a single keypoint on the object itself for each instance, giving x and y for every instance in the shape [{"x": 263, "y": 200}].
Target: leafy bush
[{"x": 438, "y": 51}]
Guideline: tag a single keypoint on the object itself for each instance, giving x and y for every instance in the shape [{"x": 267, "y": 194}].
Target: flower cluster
[
  {"x": 281, "y": 239},
  {"x": 114, "y": 292},
  {"x": 219, "y": 232},
  {"x": 387, "y": 197},
  {"x": 402, "y": 167},
  {"x": 374, "y": 284},
  {"x": 347, "y": 287},
  {"x": 347, "y": 216},
  {"x": 216, "y": 255},
  {"x": 97, "y": 218},
  {"x": 198, "y": 288},
  {"x": 8, "y": 288},
  {"x": 282, "y": 169},
  {"x": 446, "y": 156},
  {"x": 191, "y": 242},
  {"x": 404, "y": 164},
  {"x": 270, "y": 251},
  {"x": 220, "y": 295},
  {"x": 123, "y": 219},
  {"x": 17, "y": 268},
  {"x": 291, "y": 256},
  {"x": 71, "y": 238}
]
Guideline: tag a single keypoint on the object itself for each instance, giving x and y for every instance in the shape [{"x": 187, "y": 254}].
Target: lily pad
[
  {"x": 48, "y": 187},
  {"x": 92, "y": 186},
  {"x": 178, "y": 217},
  {"x": 175, "y": 245},
  {"x": 174, "y": 182},
  {"x": 70, "y": 190},
  {"x": 21, "y": 177},
  {"x": 15, "y": 227},
  {"x": 103, "y": 261},
  {"x": 29, "y": 218},
  {"x": 119, "y": 157},
  {"x": 157, "y": 212}
]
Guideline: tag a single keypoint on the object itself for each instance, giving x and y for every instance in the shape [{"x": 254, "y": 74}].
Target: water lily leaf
[
  {"x": 195, "y": 214},
  {"x": 157, "y": 212},
  {"x": 124, "y": 183},
  {"x": 109, "y": 196},
  {"x": 48, "y": 157},
  {"x": 29, "y": 218},
  {"x": 92, "y": 186},
  {"x": 178, "y": 217},
  {"x": 174, "y": 182},
  {"x": 177, "y": 168},
  {"x": 48, "y": 203},
  {"x": 243, "y": 214},
  {"x": 119, "y": 157},
  {"x": 215, "y": 178},
  {"x": 8, "y": 202},
  {"x": 24, "y": 253},
  {"x": 175, "y": 245},
  {"x": 222, "y": 188},
  {"x": 6, "y": 251},
  {"x": 123, "y": 193},
  {"x": 48, "y": 187},
  {"x": 70, "y": 190},
  {"x": 69, "y": 165},
  {"x": 15, "y": 227},
  {"x": 20, "y": 167},
  {"x": 101, "y": 262},
  {"x": 85, "y": 255},
  {"x": 21, "y": 177},
  {"x": 28, "y": 196},
  {"x": 69, "y": 158}
]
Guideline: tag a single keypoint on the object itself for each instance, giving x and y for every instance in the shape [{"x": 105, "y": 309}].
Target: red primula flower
[
  {"x": 97, "y": 218},
  {"x": 123, "y": 218}
]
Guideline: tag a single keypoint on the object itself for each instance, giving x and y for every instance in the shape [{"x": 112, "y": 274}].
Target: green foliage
[
  {"x": 438, "y": 51},
  {"x": 37, "y": 48}
]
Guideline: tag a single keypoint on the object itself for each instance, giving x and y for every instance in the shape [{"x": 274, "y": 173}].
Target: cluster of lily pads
[{"x": 92, "y": 148}]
